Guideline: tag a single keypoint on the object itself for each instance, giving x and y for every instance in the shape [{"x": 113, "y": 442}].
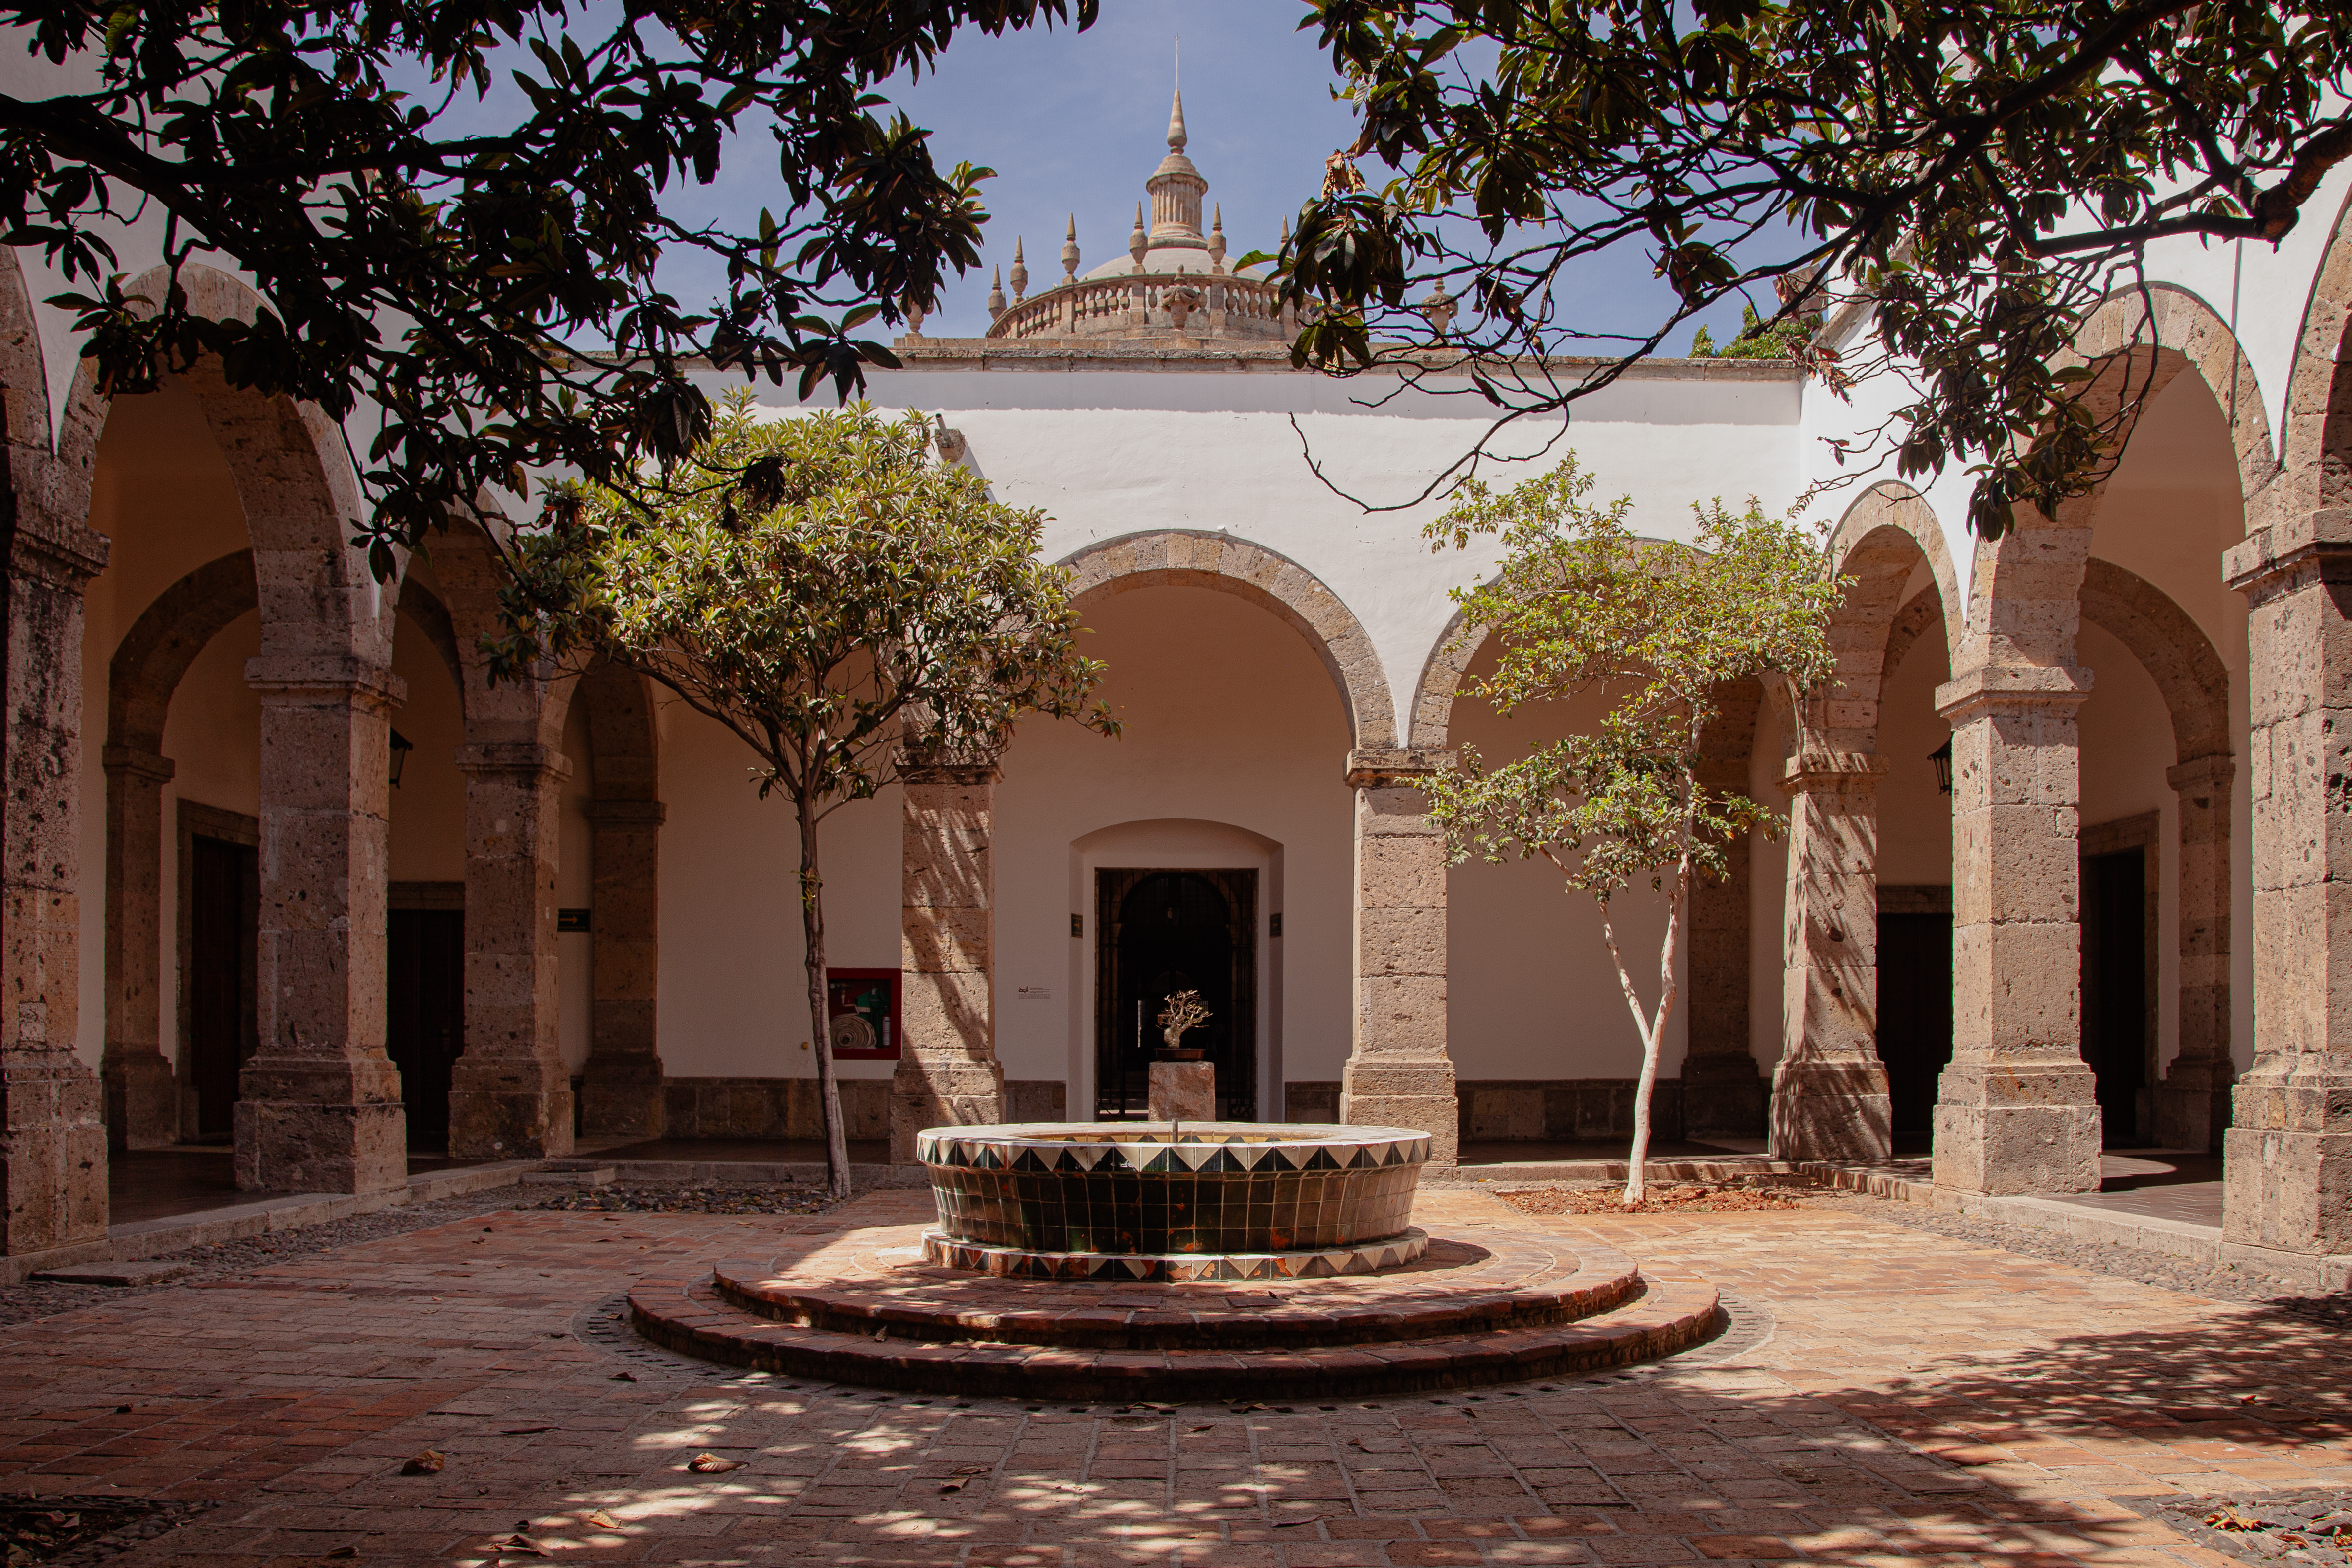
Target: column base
[
  {"x": 142, "y": 1100},
  {"x": 52, "y": 1151},
  {"x": 1835, "y": 1110},
  {"x": 1723, "y": 1098},
  {"x": 2009, "y": 1132},
  {"x": 509, "y": 1109},
  {"x": 622, "y": 1097},
  {"x": 2283, "y": 1189},
  {"x": 942, "y": 1095},
  {"x": 303, "y": 1126},
  {"x": 2192, "y": 1106},
  {"x": 1417, "y": 1095}
]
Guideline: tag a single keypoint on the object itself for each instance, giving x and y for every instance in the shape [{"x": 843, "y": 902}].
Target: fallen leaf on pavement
[
  {"x": 522, "y": 1545},
  {"x": 624, "y": 1377},
  {"x": 712, "y": 1465},
  {"x": 427, "y": 1463},
  {"x": 603, "y": 1521}
]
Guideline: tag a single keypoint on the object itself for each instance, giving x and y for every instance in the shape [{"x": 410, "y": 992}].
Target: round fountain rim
[{"x": 1057, "y": 1145}]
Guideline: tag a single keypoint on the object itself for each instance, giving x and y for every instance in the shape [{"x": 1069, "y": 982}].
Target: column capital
[
  {"x": 625, "y": 813},
  {"x": 2207, "y": 771},
  {"x": 516, "y": 756},
  {"x": 2270, "y": 558},
  {"x": 1371, "y": 766},
  {"x": 129, "y": 761},
  {"x": 1811, "y": 772},
  {"x": 2012, "y": 687},
  {"x": 314, "y": 676}
]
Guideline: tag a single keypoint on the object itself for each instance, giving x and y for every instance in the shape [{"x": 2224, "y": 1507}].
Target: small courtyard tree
[
  {"x": 1582, "y": 608},
  {"x": 834, "y": 596}
]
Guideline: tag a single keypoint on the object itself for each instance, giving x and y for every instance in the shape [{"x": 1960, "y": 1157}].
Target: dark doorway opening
[
  {"x": 2118, "y": 1019},
  {"x": 223, "y": 896},
  {"x": 425, "y": 1030},
  {"x": 1915, "y": 1003},
  {"x": 1158, "y": 932}
]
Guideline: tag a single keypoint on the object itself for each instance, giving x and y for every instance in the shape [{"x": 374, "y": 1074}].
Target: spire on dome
[
  {"x": 1070, "y": 251},
  {"x": 1020, "y": 273},
  {"x": 1176, "y": 136}
]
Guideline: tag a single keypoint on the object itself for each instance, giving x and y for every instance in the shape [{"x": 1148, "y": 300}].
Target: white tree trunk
[{"x": 1652, "y": 1026}]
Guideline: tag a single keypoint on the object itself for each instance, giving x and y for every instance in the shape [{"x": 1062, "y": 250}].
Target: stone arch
[
  {"x": 143, "y": 1096},
  {"x": 2192, "y": 1105},
  {"x": 2025, "y": 597},
  {"x": 1189, "y": 559},
  {"x": 1880, "y": 542}
]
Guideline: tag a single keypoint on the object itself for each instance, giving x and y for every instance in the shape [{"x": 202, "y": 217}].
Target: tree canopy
[
  {"x": 487, "y": 277},
  {"x": 1983, "y": 173},
  {"x": 825, "y": 590},
  {"x": 1581, "y": 606}
]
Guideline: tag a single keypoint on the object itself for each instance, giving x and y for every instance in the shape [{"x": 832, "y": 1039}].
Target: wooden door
[
  {"x": 224, "y": 921},
  {"x": 425, "y": 1031}
]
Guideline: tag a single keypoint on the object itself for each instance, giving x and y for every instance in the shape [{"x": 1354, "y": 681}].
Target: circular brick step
[{"x": 1513, "y": 1305}]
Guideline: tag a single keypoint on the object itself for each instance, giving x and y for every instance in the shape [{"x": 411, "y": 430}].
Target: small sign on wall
[{"x": 861, "y": 1010}]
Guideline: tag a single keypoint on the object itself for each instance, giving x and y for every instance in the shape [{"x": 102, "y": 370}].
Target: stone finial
[
  {"x": 915, "y": 314},
  {"x": 996, "y": 296},
  {"x": 1176, "y": 136},
  {"x": 1070, "y": 251},
  {"x": 1438, "y": 308},
  {"x": 1286, "y": 234},
  {"x": 1020, "y": 273},
  {"x": 1217, "y": 240},
  {"x": 1138, "y": 242}
]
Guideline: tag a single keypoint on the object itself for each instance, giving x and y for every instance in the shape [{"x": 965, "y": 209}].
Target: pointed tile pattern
[{"x": 1274, "y": 1201}]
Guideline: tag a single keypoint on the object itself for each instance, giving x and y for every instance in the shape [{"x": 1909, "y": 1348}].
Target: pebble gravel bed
[
  {"x": 2227, "y": 1283},
  {"x": 2278, "y": 1527},
  {"x": 710, "y": 1198}
]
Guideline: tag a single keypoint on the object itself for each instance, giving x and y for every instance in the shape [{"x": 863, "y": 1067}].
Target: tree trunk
[
  {"x": 1653, "y": 1028},
  {"x": 828, "y": 1084}
]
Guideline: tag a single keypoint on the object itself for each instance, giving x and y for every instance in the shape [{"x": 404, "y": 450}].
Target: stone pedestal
[
  {"x": 318, "y": 1103},
  {"x": 1182, "y": 1092},
  {"x": 948, "y": 1074},
  {"x": 2017, "y": 1110},
  {"x": 142, "y": 1098},
  {"x": 52, "y": 1133},
  {"x": 621, "y": 1094},
  {"x": 2288, "y": 1171},
  {"x": 1397, "y": 1074},
  {"x": 509, "y": 1092},
  {"x": 2192, "y": 1102},
  {"x": 1828, "y": 1092}
]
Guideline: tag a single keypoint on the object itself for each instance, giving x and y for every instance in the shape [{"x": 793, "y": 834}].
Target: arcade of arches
[{"x": 310, "y": 882}]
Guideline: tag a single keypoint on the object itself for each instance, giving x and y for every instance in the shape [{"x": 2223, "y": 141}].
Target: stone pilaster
[
  {"x": 2288, "y": 1152},
  {"x": 1398, "y": 1073},
  {"x": 319, "y": 1101},
  {"x": 509, "y": 1094},
  {"x": 621, "y": 1091},
  {"x": 1828, "y": 1092},
  {"x": 1723, "y": 1090},
  {"x": 52, "y": 1128},
  {"x": 948, "y": 1073},
  {"x": 2192, "y": 1103},
  {"x": 142, "y": 1099},
  {"x": 2017, "y": 1110}
]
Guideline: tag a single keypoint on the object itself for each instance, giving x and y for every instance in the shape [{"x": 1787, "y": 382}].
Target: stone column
[
  {"x": 142, "y": 1098},
  {"x": 948, "y": 1073},
  {"x": 2192, "y": 1103},
  {"x": 1398, "y": 1073},
  {"x": 621, "y": 1092},
  {"x": 2288, "y": 1172},
  {"x": 2017, "y": 1110},
  {"x": 319, "y": 1100},
  {"x": 52, "y": 1129},
  {"x": 509, "y": 1094},
  {"x": 1828, "y": 1092}
]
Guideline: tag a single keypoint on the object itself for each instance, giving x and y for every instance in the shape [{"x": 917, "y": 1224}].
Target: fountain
[{"x": 1173, "y": 1200}]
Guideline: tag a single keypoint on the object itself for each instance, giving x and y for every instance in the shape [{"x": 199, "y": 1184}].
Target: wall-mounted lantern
[
  {"x": 401, "y": 746},
  {"x": 1942, "y": 758}
]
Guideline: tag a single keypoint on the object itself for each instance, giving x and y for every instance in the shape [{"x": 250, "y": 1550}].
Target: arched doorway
[{"x": 1165, "y": 932}]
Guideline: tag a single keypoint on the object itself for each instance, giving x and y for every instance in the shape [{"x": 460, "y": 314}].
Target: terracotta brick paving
[{"x": 1919, "y": 1401}]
